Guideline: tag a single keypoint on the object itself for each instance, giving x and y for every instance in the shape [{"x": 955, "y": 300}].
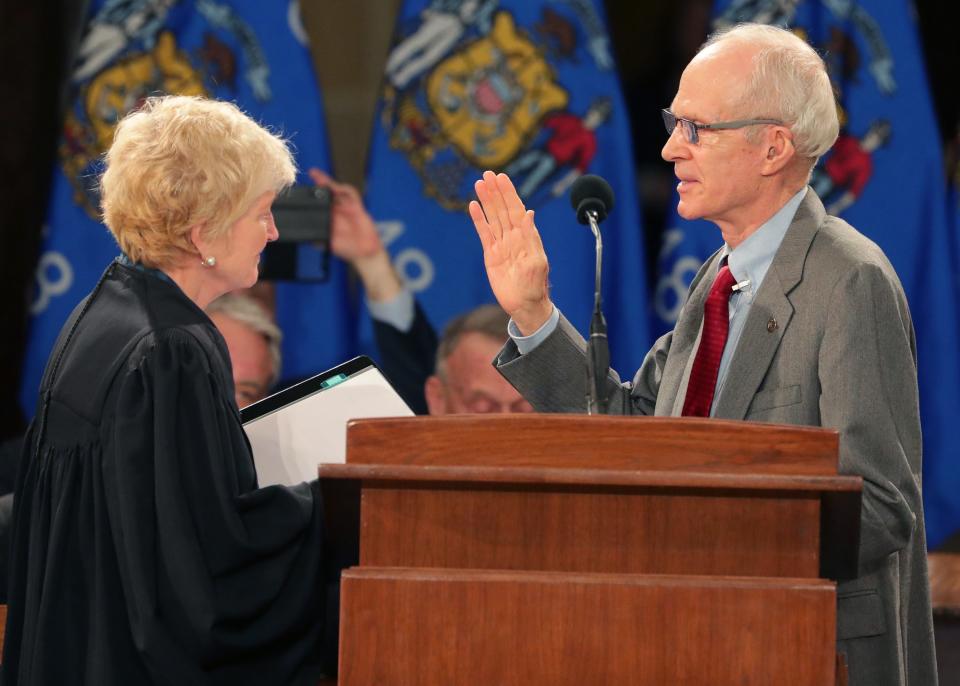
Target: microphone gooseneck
[{"x": 592, "y": 198}]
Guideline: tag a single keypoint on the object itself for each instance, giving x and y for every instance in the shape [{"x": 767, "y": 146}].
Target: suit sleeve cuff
[{"x": 527, "y": 343}]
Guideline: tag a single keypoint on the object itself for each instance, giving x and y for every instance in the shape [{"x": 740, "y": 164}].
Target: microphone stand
[{"x": 598, "y": 347}]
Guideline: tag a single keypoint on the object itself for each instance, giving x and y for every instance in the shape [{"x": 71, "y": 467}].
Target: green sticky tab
[{"x": 333, "y": 381}]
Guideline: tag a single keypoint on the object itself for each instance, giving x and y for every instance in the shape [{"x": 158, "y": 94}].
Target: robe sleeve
[{"x": 229, "y": 574}]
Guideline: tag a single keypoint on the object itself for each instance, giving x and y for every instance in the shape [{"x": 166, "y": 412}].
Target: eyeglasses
[{"x": 691, "y": 129}]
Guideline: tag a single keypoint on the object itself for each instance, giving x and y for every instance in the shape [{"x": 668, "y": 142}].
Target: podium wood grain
[
  {"x": 573, "y": 550},
  {"x": 684, "y": 444},
  {"x": 417, "y": 626},
  {"x": 617, "y": 529}
]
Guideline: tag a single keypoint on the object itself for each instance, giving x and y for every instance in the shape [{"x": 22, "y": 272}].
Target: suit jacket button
[{"x": 772, "y": 325}]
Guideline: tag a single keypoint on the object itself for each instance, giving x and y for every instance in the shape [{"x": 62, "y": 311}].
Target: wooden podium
[{"x": 564, "y": 549}]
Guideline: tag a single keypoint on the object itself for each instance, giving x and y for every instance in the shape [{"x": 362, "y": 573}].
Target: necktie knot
[{"x": 724, "y": 283}]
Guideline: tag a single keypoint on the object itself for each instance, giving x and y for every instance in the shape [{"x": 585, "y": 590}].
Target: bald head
[{"x": 748, "y": 140}]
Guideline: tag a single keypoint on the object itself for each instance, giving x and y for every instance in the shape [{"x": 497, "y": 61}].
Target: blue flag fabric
[
  {"x": 251, "y": 53},
  {"x": 684, "y": 247},
  {"x": 884, "y": 176},
  {"x": 528, "y": 88}
]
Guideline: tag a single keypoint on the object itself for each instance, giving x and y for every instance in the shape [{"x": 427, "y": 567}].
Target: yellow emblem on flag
[
  {"x": 109, "y": 96},
  {"x": 489, "y": 98}
]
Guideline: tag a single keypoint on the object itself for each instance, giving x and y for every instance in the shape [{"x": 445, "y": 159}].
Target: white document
[{"x": 296, "y": 429}]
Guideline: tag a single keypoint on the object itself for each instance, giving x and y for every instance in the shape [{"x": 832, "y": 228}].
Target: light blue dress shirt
[
  {"x": 398, "y": 312},
  {"x": 748, "y": 262}
]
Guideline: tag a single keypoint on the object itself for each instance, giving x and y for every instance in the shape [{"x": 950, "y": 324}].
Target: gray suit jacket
[{"x": 828, "y": 342}]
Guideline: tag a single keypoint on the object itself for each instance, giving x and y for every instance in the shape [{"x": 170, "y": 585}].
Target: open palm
[{"x": 513, "y": 254}]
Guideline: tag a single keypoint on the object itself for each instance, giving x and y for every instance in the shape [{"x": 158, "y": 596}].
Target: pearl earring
[{"x": 209, "y": 261}]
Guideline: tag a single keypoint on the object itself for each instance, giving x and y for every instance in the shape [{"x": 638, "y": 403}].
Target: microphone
[
  {"x": 591, "y": 193},
  {"x": 592, "y": 198}
]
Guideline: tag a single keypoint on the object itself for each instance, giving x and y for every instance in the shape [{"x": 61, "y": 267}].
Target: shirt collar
[{"x": 752, "y": 258}]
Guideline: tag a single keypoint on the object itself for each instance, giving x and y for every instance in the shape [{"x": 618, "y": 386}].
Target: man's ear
[
  {"x": 778, "y": 150},
  {"x": 436, "y": 394}
]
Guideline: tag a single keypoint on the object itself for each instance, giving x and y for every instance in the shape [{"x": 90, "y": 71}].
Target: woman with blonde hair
[{"x": 143, "y": 550}]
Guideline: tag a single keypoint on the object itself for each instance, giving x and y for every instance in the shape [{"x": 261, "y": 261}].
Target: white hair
[
  {"x": 250, "y": 313},
  {"x": 790, "y": 83}
]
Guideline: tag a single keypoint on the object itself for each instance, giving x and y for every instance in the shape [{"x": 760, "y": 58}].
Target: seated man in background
[
  {"x": 253, "y": 340},
  {"x": 464, "y": 380}
]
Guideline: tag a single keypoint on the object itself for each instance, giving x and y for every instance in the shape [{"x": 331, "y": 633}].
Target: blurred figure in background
[
  {"x": 465, "y": 380},
  {"x": 253, "y": 341}
]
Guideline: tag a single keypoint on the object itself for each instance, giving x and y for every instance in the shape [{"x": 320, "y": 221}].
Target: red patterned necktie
[{"x": 716, "y": 322}]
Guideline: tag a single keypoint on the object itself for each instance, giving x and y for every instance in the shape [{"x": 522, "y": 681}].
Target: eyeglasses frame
[{"x": 694, "y": 138}]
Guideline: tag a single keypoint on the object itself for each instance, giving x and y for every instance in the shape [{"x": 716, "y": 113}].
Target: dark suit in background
[{"x": 407, "y": 358}]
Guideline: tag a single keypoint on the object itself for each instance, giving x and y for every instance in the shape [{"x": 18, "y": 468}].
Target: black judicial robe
[{"x": 143, "y": 551}]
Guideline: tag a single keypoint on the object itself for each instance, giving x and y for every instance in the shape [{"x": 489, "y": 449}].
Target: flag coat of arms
[
  {"x": 251, "y": 53},
  {"x": 526, "y": 88}
]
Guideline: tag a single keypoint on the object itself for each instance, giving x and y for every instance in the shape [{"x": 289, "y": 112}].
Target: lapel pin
[{"x": 772, "y": 325}]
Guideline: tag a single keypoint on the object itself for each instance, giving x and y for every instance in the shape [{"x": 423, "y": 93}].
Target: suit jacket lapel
[{"x": 758, "y": 343}]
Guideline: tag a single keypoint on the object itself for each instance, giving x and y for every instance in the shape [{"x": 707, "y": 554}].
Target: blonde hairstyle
[
  {"x": 252, "y": 314},
  {"x": 790, "y": 83},
  {"x": 182, "y": 161}
]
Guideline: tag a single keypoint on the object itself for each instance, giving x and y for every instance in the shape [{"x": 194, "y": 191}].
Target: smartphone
[
  {"x": 302, "y": 253},
  {"x": 302, "y": 215}
]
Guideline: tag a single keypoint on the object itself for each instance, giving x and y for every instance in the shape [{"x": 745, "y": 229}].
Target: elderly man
[
  {"x": 797, "y": 319},
  {"x": 253, "y": 341},
  {"x": 464, "y": 381}
]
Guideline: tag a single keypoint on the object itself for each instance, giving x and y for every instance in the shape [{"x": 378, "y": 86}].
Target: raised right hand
[{"x": 513, "y": 254}]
